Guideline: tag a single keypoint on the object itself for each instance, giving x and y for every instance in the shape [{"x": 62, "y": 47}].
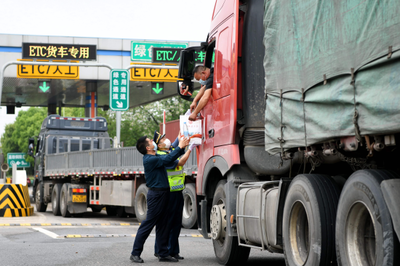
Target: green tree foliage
[
  {"x": 8, "y": 144},
  {"x": 27, "y": 125}
]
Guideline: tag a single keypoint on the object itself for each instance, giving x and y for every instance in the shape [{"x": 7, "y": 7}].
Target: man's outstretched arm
[{"x": 203, "y": 101}]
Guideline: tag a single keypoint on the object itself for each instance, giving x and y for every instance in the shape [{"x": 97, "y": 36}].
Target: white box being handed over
[{"x": 191, "y": 129}]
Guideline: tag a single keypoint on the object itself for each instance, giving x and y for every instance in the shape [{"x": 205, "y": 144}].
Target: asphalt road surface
[{"x": 97, "y": 239}]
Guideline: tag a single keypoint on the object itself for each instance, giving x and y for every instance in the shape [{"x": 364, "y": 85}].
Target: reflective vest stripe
[
  {"x": 180, "y": 187},
  {"x": 175, "y": 172},
  {"x": 176, "y": 177}
]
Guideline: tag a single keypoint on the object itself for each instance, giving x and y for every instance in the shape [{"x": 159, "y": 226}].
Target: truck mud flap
[
  {"x": 77, "y": 207},
  {"x": 391, "y": 193},
  {"x": 203, "y": 229},
  {"x": 231, "y": 196}
]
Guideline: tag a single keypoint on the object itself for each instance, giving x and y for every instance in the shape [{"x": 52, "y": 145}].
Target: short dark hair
[
  {"x": 142, "y": 144},
  {"x": 199, "y": 68}
]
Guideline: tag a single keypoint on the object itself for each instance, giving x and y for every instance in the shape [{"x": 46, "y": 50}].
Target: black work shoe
[
  {"x": 156, "y": 255},
  {"x": 178, "y": 257},
  {"x": 136, "y": 259},
  {"x": 167, "y": 259}
]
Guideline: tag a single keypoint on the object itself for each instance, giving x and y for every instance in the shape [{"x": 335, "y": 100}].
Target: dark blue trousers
[
  {"x": 175, "y": 209},
  {"x": 157, "y": 211}
]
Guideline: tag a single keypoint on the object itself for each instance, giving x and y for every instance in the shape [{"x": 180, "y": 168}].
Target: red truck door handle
[{"x": 211, "y": 133}]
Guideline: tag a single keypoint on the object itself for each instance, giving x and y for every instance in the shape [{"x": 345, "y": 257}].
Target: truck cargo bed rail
[{"x": 109, "y": 161}]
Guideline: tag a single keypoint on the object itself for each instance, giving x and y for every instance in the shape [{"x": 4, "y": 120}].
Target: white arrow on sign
[
  {"x": 119, "y": 105},
  {"x": 18, "y": 163}
]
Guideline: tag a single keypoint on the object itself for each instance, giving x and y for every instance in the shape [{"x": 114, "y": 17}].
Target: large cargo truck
[
  {"x": 76, "y": 167},
  {"x": 300, "y": 151}
]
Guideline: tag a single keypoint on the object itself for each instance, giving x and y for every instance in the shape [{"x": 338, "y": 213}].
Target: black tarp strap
[
  {"x": 389, "y": 52},
  {"x": 355, "y": 117},
  {"x": 303, "y": 99},
  {"x": 281, "y": 139}
]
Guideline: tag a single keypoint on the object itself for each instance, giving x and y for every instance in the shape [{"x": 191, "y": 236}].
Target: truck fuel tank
[{"x": 257, "y": 208}]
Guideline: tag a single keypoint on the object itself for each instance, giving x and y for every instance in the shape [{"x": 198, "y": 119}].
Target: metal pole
[
  {"x": 151, "y": 66},
  {"x": 118, "y": 128}
]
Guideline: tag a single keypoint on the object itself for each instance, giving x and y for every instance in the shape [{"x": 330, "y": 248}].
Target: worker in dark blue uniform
[
  {"x": 157, "y": 198},
  {"x": 176, "y": 178}
]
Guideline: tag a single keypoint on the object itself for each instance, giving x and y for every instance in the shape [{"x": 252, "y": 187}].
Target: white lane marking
[{"x": 46, "y": 232}]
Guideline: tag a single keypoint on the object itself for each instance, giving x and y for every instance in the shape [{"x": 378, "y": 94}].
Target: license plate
[{"x": 78, "y": 198}]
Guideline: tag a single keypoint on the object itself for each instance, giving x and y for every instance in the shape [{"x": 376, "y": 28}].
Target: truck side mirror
[
  {"x": 30, "y": 146},
  {"x": 185, "y": 89},
  {"x": 187, "y": 63}
]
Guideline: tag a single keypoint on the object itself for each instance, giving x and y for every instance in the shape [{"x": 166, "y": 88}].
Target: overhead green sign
[
  {"x": 119, "y": 89},
  {"x": 172, "y": 55},
  {"x": 18, "y": 159},
  {"x": 142, "y": 51},
  {"x": 166, "y": 55}
]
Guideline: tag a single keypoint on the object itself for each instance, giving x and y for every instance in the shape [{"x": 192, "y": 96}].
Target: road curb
[{"x": 69, "y": 224}]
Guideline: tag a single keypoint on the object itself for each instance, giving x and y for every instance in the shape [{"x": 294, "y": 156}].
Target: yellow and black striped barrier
[{"x": 14, "y": 201}]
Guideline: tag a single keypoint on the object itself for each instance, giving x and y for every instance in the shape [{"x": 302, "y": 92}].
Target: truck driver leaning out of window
[
  {"x": 176, "y": 179},
  {"x": 205, "y": 76}
]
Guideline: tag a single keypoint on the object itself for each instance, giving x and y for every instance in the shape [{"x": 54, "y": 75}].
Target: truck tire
[
  {"x": 226, "y": 248},
  {"x": 55, "y": 199},
  {"x": 189, "y": 215},
  {"x": 40, "y": 205},
  {"x": 309, "y": 221},
  {"x": 364, "y": 230},
  {"x": 64, "y": 201},
  {"x": 141, "y": 202}
]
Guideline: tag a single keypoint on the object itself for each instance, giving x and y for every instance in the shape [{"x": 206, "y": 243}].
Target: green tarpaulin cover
[{"x": 312, "y": 47}]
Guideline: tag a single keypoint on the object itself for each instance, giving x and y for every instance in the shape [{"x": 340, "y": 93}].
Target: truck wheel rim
[
  {"x": 62, "y": 201},
  {"x": 37, "y": 194},
  {"x": 299, "y": 233},
  {"x": 218, "y": 222},
  {"x": 360, "y": 236},
  {"x": 54, "y": 205},
  {"x": 187, "y": 207},
  {"x": 142, "y": 206}
]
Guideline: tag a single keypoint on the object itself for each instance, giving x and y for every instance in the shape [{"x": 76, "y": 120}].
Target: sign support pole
[
  {"x": 164, "y": 123},
  {"x": 118, "y": 116}
]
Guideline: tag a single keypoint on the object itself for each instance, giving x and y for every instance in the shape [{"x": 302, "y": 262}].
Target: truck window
[
  {"x": 74, "y": 145},
  {"x": 86, "y": 144},
  {"x": 38, "y": 144},
  {"x": 70, "y": 144},
  {"x": 54, "y": 145},
  {"x": 210, "y": 55},
  {"x": 51, "y": 144}
]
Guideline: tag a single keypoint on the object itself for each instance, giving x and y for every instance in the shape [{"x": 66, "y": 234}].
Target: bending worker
[
  {"x": 157, "y": 198},
  {"x": 176, "y": 178},
  {"x": 205, "y": 76}
]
